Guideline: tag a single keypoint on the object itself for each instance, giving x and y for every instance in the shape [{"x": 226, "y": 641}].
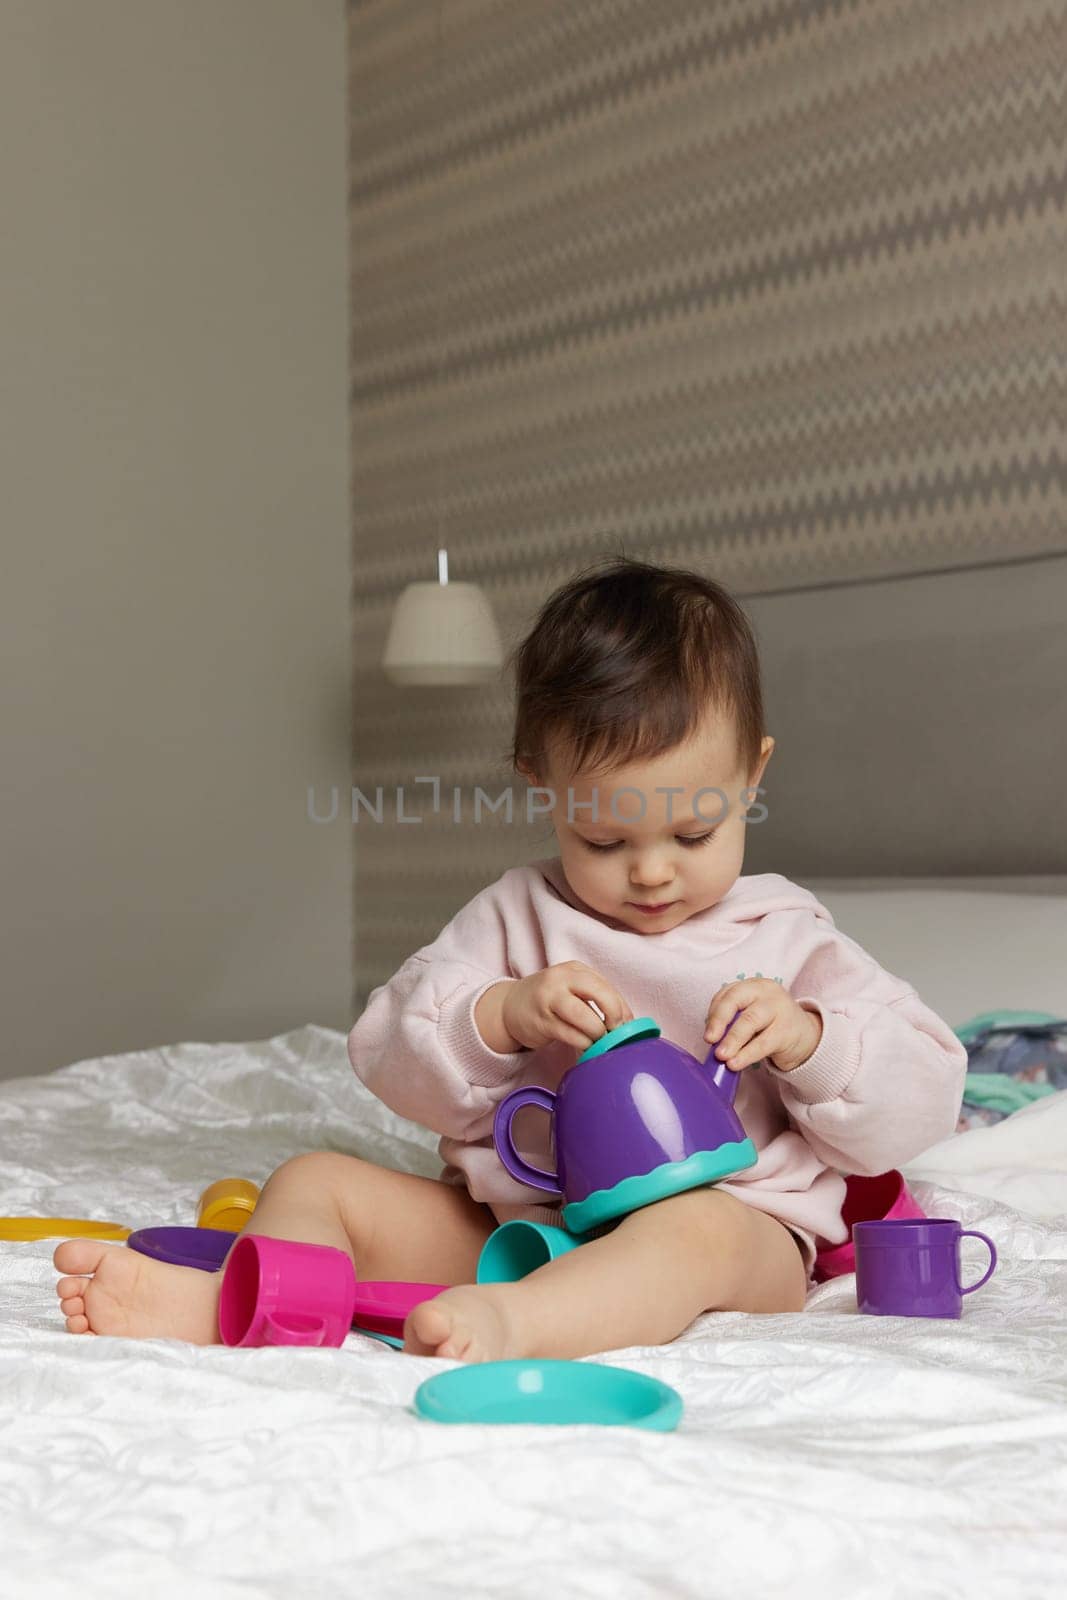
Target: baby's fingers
[
  {"x": 745, "y": 1054},
  {"x": 721, "y": 1018},
  {"x": 589, "y": 985},
  {"x": 576, "y": 1023}
]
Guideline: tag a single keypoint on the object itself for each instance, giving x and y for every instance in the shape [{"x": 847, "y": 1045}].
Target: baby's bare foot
[
  {"x": 132, "y": 1296},
  {"x": 467, "y": 1323}
]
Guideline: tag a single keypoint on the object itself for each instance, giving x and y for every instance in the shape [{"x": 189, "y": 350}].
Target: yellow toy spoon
[{"x": 60, "y": 1228}]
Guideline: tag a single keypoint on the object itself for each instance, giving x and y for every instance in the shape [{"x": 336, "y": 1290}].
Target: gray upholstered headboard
[{"x": 921, "y": 725}]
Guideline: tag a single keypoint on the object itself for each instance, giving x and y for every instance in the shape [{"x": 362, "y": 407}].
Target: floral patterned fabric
[{"x": 1014, "y": 1057}]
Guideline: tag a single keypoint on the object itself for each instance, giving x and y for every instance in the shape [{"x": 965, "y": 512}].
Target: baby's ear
[{"x": 766, "y": 752}]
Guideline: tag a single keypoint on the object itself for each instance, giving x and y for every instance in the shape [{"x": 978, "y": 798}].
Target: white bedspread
[{"x": 825, "y": 1453}]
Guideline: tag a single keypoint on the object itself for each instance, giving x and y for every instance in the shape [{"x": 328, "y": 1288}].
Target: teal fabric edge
[
  {"x": 998, "y": 1091},
  {"x": 673, "y": 1177},
  {"x": 967, "y": 1031}
]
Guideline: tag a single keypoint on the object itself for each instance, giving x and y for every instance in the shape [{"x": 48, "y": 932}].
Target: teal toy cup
[{"x": 517, "y": 1248}]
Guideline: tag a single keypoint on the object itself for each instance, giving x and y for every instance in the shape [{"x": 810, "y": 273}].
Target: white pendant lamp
[{"x": 442, "y": 633}]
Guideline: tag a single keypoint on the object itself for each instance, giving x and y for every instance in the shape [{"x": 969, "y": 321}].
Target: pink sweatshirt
[{"x": 885, "y": 1082}]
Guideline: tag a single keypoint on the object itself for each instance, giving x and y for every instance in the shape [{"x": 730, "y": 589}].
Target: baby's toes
[
  {"x": 71, "y": 1292},
  {"x": 67, "y": 1288},
  {"x": 426, "y": 1327},
  {"x": 78, "y": 1255}
]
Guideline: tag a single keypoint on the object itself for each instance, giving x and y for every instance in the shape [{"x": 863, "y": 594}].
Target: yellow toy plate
[{"x": 60, "y": 1228}]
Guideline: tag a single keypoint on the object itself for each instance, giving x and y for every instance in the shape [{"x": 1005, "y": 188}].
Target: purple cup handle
[
  {"x": 972, "y": 1233},
  {"x": 536, "y": 1177}
]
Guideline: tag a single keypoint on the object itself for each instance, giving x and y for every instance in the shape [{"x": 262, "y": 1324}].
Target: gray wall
[
  {"x": 174, "y": 608},
  {"x": 773, "y": 291}
]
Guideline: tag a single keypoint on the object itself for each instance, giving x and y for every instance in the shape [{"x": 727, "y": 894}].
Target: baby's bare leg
[
  {"x": 391, "y": 1224},
  {"x": 644, "y": 1283},
  {"x": 657, "y": 1272}
]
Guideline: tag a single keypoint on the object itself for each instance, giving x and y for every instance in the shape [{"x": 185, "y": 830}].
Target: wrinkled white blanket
[{"x": 824, "y": 1454}]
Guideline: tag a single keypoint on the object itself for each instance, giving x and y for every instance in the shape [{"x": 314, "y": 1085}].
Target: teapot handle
[
  {"x": 532, "y": 1095},
  {"x": 722, "y": 1078}
]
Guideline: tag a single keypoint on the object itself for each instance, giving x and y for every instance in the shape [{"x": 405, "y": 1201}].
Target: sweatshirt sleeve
[
  {"x": 886, "y": 1080},
  {"x": 416, "y": 1045}
]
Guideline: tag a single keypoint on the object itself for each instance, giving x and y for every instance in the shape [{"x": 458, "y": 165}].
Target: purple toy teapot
[{"x": 635, "y": 1119}]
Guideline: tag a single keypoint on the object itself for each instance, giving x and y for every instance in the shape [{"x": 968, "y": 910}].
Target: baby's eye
[{"x": 690, "y": 840}]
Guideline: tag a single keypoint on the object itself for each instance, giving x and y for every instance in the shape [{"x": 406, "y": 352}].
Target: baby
[{"x": 639, "y": 712}]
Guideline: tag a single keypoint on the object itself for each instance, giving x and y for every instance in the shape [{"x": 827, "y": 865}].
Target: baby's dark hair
[{"x": 623, "y": 663}]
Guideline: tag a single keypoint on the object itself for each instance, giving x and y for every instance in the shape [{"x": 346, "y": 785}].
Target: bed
[{"x": 824, "y": 1454}]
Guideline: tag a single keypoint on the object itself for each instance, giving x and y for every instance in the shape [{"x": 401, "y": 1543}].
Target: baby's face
[{"x": 678, "y": 853}]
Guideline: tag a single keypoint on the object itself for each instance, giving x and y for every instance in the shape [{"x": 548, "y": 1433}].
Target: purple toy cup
[
  {"x": 275, "y": 1291},
  {"x": 906, "y": 1268}
]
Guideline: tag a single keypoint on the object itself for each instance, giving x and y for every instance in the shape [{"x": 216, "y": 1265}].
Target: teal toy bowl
[{"x": 549, "y": 1392}]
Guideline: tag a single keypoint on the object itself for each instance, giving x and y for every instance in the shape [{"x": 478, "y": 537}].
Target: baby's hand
[
  {"x": 771, "y": 1026},
  {"x": 552, "y": 1004}
]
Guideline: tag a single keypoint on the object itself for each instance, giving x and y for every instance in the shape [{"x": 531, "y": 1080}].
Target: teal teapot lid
[{"x": 625, "y": 1033}]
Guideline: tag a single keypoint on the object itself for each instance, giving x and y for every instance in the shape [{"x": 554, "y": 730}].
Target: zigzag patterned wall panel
[{"x": 771, "y": 288}]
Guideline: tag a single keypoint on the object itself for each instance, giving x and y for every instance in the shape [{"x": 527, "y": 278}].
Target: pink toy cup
[
  {"x": 275, "y": 1291},
  {"x": 885, "y": 1198}
]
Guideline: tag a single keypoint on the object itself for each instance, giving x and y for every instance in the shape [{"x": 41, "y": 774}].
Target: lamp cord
[{"x": 442, "y": 558}]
